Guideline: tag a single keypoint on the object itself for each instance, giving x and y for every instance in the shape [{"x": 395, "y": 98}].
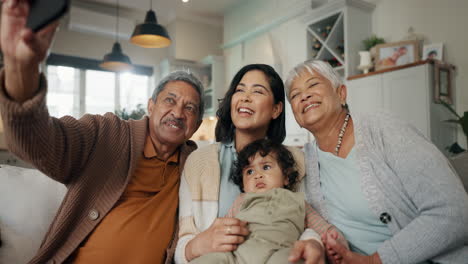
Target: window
[
  {"x": 134, "y": 89},
  {"x": 100, "y": 92},
  {"x": 77, "y": 86},
  {"x": 62, "y": 91}
]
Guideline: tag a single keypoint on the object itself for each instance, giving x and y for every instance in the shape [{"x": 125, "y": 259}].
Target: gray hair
[
  {"x": 187, "y": 77},
  {"x": 311, "y": 66}
]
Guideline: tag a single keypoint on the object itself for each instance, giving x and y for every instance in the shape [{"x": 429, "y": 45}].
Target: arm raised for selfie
[{"x": 22, "y": 49}]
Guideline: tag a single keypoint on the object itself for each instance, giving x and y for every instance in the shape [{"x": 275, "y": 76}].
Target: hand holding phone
[{"x": 44, "y": 12}]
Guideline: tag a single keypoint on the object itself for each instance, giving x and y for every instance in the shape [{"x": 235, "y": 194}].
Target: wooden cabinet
[{"x": 407, "y": 93}]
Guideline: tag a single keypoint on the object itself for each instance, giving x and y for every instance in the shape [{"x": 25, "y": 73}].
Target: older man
[{"x": 122, "y": 177}]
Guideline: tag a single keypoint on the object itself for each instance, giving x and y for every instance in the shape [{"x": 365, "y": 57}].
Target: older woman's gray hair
[
  {"x": 187, "y": 77},
  {"x": 311, "y": 66}
]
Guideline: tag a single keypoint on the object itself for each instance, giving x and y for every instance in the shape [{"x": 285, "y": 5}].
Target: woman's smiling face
[
  {"x": 253, "y": 104},
  {"x": 313, "y": 99}
]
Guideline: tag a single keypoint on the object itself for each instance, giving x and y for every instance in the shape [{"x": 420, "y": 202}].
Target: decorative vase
[{"x": 365, "y": 61}]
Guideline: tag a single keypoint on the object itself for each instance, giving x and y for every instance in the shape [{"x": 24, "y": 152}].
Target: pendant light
[
  {"x": 150, "y": 34},
  {"x": 116, "y": 61}
]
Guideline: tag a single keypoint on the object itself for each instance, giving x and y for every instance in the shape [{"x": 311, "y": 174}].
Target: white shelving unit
[
  {"x": 210, "y": 71},
  {"x": 214, "y": 83},
  {"x": 335, "y": 31}
]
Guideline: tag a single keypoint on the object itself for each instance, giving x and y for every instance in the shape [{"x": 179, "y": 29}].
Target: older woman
[
  {"x": 387, "y": 188},
  {"x": 252, "y": 109}
]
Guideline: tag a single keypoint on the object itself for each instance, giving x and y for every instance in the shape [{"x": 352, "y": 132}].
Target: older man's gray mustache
[{"x": 174, "y": 122}]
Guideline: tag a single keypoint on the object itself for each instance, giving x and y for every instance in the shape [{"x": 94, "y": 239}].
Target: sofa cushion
[
  {"x": 28, "y": 203},
  {"x": 460, "y": 162}
]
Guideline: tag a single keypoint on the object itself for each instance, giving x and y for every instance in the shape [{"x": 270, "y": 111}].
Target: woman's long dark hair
[{"x": 224, "y": 131}]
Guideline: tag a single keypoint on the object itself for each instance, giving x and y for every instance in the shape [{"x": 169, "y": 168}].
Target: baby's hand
[
  {"x": 338, "y": 236},
  {"x": 333, "y": 234}
]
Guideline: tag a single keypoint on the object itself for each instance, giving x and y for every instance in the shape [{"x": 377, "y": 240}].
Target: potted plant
[
  {"x": 367, "y": 56},
  {"x": 460, "y": 120},
  {"x": 135, "y": 114},
  {"x": 371, "y": 42},
  {"x": 460, "y": 160}
]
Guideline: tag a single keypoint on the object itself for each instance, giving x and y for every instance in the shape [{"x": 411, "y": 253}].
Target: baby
[{"x": 266, "y": 175}]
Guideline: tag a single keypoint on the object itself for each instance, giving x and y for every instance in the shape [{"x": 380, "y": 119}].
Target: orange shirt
[{"x": 140, "y": 226}]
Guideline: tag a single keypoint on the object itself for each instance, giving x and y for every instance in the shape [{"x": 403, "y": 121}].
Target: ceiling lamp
[
  {"x": 150, "y": 34},
  {"x": 116, "y": 61}
]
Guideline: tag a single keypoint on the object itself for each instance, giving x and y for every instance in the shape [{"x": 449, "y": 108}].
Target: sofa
[
  {"x": 460, "y": 163},
  {"x": 28, "y": 203}
]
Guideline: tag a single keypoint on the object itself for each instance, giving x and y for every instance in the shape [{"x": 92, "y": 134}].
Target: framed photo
[
  {"x": 433, "y": 51},
  {"x": 390, "y": 55},
  {"x": 443, "y": 83}
]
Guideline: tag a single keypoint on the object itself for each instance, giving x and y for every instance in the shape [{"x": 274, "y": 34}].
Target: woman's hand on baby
[
  {"x": 224, "y": 235},
  {"x": 311, "y": 251}
]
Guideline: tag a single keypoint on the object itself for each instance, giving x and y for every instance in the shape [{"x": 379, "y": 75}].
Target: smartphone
[{"x": 44, "y": 12}]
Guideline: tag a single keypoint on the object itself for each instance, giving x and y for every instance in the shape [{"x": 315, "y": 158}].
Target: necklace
[{"x": 342, "y": 132}]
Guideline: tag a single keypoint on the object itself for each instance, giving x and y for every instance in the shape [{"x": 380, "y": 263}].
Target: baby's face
[{"x": 263, "y": 174}]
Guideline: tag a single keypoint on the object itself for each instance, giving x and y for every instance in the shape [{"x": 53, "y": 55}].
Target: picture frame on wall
[
  {"x": 433, "y": 51},
  {"x": 443, "y": 83},
  {"x": 395, "y": 54}
]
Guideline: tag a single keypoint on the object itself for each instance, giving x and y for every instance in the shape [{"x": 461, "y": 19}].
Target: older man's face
[{"x": 173, "y": 118}]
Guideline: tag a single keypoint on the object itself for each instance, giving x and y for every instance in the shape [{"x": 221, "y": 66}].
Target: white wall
[
  {"x": 248, "y": 15},
  {"x": 194, "y": 41},
  {"x": 441, "y": 21}
]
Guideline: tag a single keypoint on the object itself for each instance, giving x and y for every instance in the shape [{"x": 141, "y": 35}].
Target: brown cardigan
[{"x": 94, "y": 157}]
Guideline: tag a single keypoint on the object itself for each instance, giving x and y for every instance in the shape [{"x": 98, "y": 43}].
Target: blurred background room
[{"x": 424, "y": 84}]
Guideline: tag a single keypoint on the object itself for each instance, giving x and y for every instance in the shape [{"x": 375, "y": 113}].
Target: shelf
[
  {"x": 338, "y": 28},
  {"x": 335, "y": 42},
  {"x": 339, "y": 68},
  {"x": 323, "y": 27},
  {"x": 214, "y": 83},
  {"x": 328, "y": 56},
  {"x": 328, "y": 34},
  {"x": 358, "y": 76}
]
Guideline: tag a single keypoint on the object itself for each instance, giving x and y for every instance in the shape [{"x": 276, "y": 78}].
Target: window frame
[{"x": 84, "y": 64}]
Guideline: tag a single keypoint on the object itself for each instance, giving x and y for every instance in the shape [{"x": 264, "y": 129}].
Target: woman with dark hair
[
  {"x": 253, "y": 108},
  {"x": 225, "y": 128}
]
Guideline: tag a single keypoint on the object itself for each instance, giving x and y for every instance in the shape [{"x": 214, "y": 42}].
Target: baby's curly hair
[{"x": 264, "y": 147}]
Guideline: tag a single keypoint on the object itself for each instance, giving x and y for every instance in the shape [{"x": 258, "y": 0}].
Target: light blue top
[
  {"x": 228, "y": 191},
  {"x": 404, "y": 176},
  {"x": 347, "y": 207}
]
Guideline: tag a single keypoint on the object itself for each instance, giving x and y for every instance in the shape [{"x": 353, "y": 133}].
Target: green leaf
[
  {"x": 464, "y": 123},
  {"x": 136, "y": 114},
  {"x": 453, "y": 121},
  {"x": 372, "y": 41}
]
